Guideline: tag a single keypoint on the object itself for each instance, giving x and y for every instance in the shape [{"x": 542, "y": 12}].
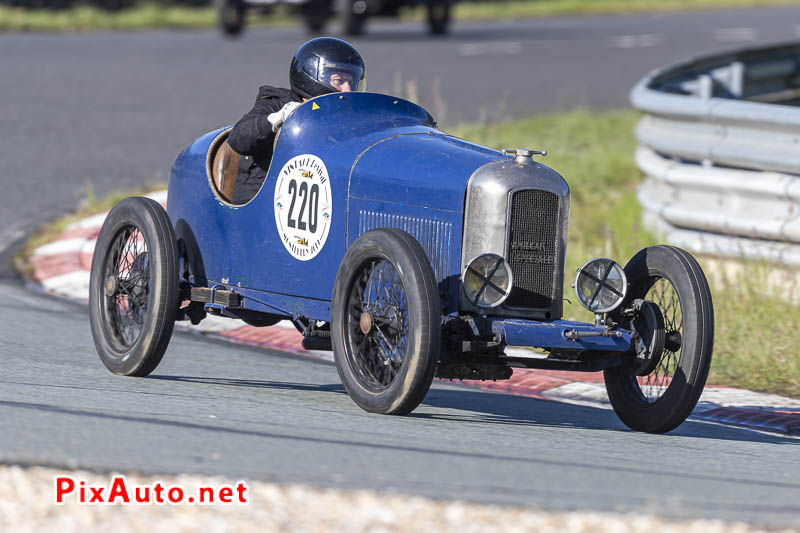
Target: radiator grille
[
  {"x": 433, "y": 235},
  {"x": 533, "y": 249}
]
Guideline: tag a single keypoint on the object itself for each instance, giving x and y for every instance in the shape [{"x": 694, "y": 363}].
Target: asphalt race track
[
  {"x": 112, "y": 110},
  {"x": 218, "y": 409}
]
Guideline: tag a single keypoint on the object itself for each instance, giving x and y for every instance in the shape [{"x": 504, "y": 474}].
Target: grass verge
[
  {"x": 52, "y": 231},
  {"x": 152, "y": 15},
  {"x": 756, "y": 334},
  {"x": 84, "y": 18},
  {"x": 544, "y": 8},
  {"x": 144, "y": 16}
]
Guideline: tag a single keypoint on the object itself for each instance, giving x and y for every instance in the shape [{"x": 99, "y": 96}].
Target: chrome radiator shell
[{"x": 487, "y": 225}]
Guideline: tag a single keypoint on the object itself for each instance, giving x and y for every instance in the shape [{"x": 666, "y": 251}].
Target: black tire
[
  {"x": 355, "y": 16},
  {"x": 388, "y": 369},
  {"x": 439, "y": 16},
  {"x": 230, "y": 16},
  {"x": 661, "y": 400},
  {"x": 315, "y": 23},
  {"x": 133, "y": 289},
  {"x": 316, "y": 14}
]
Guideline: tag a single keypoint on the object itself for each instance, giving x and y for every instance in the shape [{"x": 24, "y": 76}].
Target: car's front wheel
[
  {"x": 355, "y": 16},
  {"x": 675, "y": 320},
  {"x": 133, "y": 288},
  {"x": 386, "y": 322}
]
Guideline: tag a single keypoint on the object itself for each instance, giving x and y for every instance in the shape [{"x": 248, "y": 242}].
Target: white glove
[{"x": 279, "y": 117}]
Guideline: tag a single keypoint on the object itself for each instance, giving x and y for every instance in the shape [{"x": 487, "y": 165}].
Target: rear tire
[
  {"x": 662, "y": 399},
  {"x": 386, "y": 322},
  {"x": 438, "y": 16},
  {"x": 133, "y": 289},
  {"x": 230, "y": 16},
  {"x": 316, "y": 14}
]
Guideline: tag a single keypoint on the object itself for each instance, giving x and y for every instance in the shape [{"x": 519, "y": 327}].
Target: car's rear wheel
[
  {"x": 133, "y": 289},
  {"x": 230, "y": 16},
  {"x": 386, "y": 322},
  {"x": 439, "y": 16},
  {"x": 657, "y": 394},
  {"x": 316, "y": 14}
]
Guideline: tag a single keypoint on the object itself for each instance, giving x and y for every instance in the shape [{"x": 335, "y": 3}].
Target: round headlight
[
  {"x": 601, "y": 285},
  {"x": 487, "y": 280}
]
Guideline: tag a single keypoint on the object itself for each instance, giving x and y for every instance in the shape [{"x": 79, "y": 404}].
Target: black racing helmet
[{"x": 323, "y": 65}]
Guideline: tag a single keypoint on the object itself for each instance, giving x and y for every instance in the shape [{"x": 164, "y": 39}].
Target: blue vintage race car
[{"x": 408, "y": 252}]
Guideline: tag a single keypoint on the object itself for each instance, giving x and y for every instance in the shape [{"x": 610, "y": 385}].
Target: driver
[{"x": 320, "y": 66}]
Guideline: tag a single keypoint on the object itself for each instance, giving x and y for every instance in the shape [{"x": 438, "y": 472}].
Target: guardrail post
[
  {"x": 737, "y": 79},
  {"x": 706, "y": 87}
]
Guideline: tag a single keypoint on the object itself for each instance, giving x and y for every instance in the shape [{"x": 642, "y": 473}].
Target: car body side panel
[
  {"x": 438, "y": 232},
  {"x": 419, "y": 170},
  {"x": 388, "y": 166},
  {"x": 239, "y": 245},
  {"x": 417, "y": 182}
]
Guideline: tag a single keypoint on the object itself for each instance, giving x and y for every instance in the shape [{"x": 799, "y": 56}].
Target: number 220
[{"x": 311, "y": 198}]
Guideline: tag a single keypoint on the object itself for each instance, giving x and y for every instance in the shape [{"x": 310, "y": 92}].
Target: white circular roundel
[{"x": 303, "y": 206}]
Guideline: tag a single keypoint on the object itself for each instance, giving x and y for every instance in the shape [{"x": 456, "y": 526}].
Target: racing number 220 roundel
[{"x": 303, "y": 206}]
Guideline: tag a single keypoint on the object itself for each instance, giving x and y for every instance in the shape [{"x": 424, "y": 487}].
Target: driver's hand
[{"x": 279, "y": 117}]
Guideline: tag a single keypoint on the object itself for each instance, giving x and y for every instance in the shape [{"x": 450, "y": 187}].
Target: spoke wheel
[
  {"x": 662, "y": 398},
  {"x": 385, "y": 322},
  {"x": 127, "y": 289},
  {"x": 654, "y": 384},
  {"x": 377, "y": 324},
  {"x": 133, "y": 290}
]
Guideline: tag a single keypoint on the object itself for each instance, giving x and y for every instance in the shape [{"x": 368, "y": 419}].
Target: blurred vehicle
[{"x": 316, "y": 13}]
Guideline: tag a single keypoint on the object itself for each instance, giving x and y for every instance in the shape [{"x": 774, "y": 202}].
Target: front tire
[
  {"x": 133, "y": 289},
  {"x": 355, "y": 16},
  {"x": 386, "y": 322},
  {"x": 661, "y": 400}
]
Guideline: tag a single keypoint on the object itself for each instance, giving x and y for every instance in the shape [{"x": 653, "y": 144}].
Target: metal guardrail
[{"x": 720, "y": 148}]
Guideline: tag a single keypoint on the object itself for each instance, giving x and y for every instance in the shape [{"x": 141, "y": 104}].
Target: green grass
[
  {"x": 152, "y": 15},
  {"x": 543, "y": 8},
  {"x": 144, "y": 16},
  {"x": 757, "y": 338},
  {"x": 83, "y": 18},
  {"x": 594, "y": 153},
  {"x": 91, "y": 205}
]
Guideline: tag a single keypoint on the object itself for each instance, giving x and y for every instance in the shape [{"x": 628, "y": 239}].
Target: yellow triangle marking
[{"x": 314, "y": 106}]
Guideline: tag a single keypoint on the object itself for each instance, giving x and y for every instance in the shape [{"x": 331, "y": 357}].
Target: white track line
[
  {"x": 158, "y": 196},
  {"x": 487, "y": 49},
  {"x": 64, "y": 246},
  {"x": 647, "y": 40},
  {"x": 736, "y": 35},
  {"x": 74, "y": 285},
  {"x": 94, "y": 221}
]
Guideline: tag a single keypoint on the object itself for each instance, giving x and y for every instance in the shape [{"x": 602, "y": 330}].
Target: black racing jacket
[{"x": 252, "y": 137}]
